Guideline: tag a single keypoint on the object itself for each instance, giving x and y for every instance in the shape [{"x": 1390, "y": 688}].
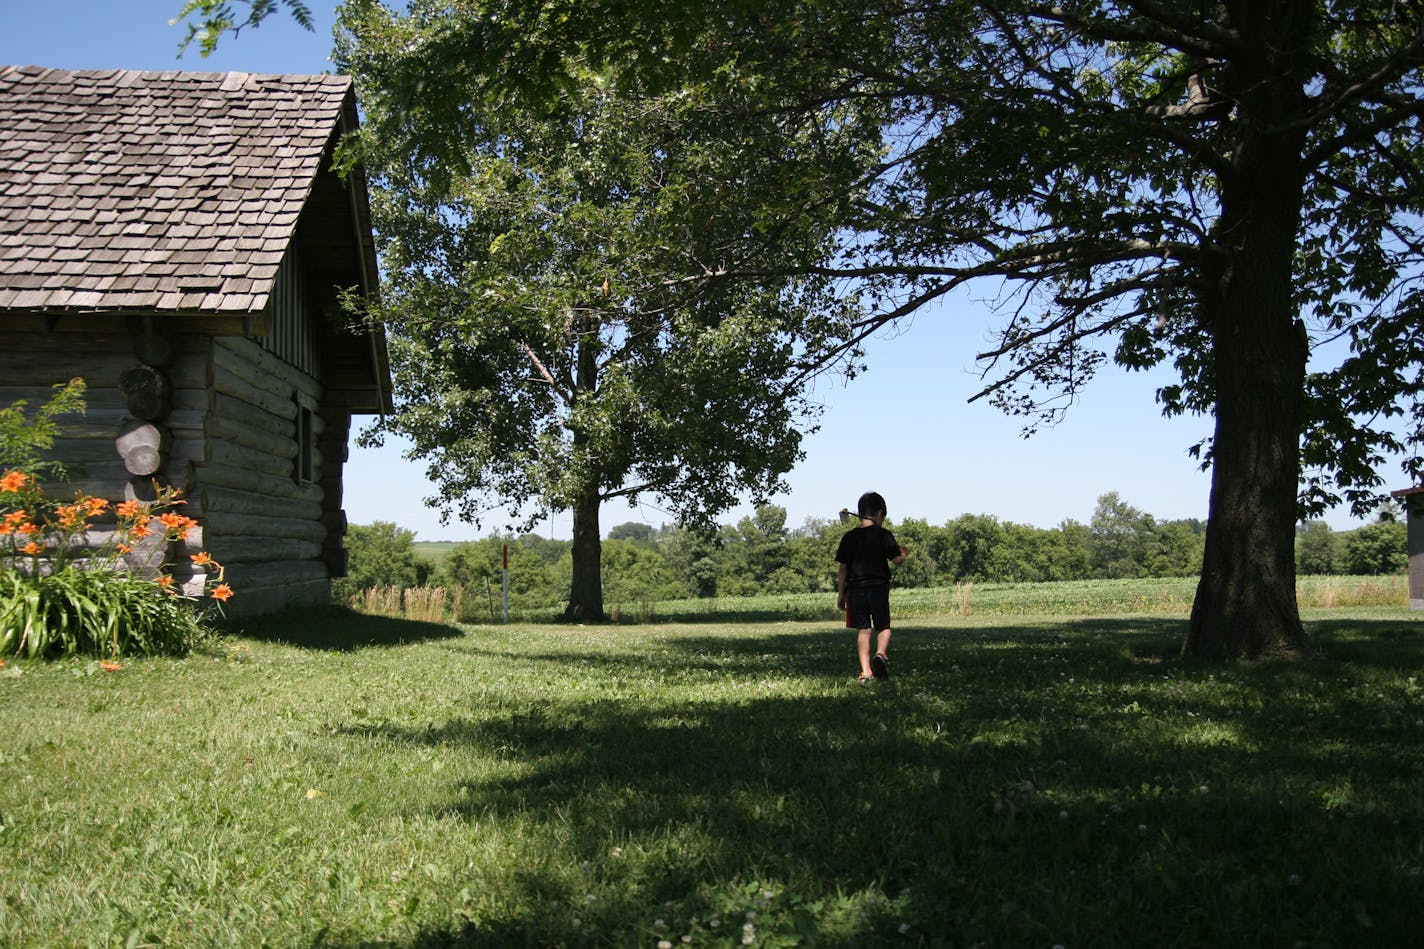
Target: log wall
[
  {"x": 261, "y": 519},
  {"x": 242, "y": 432}
]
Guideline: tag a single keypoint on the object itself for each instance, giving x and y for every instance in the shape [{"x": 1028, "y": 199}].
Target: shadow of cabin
[{"x": 180, "y": 241}]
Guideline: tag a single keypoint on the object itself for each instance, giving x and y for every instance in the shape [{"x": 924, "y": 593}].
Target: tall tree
[
  {"x": 550, "y": 351},
  {"x": 1217, "y": 185}
]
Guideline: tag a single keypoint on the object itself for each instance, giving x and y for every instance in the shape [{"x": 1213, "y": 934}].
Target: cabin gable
[{"x": 181, "y": 242}]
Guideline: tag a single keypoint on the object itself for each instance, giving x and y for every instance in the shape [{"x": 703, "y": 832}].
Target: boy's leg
[
  {"x": 879, "y": 663},
  {"x": 880, "y": 611},
  {"x": 862, "y": 643}
]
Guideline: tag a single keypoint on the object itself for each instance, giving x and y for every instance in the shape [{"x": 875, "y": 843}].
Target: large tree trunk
[
  {"x": 586, "y": 592},
  {"x": 1245, "y": 604}
]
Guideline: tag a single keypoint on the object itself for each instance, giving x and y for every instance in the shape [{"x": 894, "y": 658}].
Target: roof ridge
[{"x": 34, "y": 69}]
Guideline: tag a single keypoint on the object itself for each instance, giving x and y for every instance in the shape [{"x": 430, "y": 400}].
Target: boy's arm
[
  {"x": 898, "y": 557},
  {"x": 841, "y": 572}
]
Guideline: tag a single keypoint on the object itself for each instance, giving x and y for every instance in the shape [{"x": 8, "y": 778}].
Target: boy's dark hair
[{"x": 870, "y": 503}]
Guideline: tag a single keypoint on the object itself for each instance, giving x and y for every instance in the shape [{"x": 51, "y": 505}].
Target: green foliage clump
[
  {"x": 82, "y": 612},
  {"x": 379, "y": 555},
  {"x": 26, "y": 435}
]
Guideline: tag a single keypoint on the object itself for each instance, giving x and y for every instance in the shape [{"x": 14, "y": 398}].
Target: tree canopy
[
  {"x": 1225, "y": 188},
  {"x": 550, "y": 352},
  {"x": 1232, "y": 187}
]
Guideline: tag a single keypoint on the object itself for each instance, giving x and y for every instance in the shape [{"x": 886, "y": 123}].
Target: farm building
[
  {"x": 181, "y": 241},
  {"x": 1413, "y": 501}
]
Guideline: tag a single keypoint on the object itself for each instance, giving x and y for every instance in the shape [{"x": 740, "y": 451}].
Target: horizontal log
[
  {"x": 253, "y": 416},
  {"x": 104, "y": 480},
  {"x": 85, "y": 452},
  {"x": 252, "y": 603},
  {"x": 107, "y": 421},
  {"x": 258, "y": 482},
  {"x": 227, "y": 383},
  {"x": 254, "y": 365},
  {"x": 257, "y": 549},
  {"x": 91, "y": 342},
  {"x": 211, "y": 498},
  {"x": 256, "y": 439},
  {"x": 221, "y": 523},
  {"x": 240, "y": 456},
  {"x": 35, "y": 396},
  {"x": 98, "y": 369},
  {"x": 243, "y": 575}
]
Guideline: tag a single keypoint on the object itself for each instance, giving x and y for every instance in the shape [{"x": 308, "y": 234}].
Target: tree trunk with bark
[
  {"x": 1246, "y": 604},
  {"x": 586, "y": 591}
]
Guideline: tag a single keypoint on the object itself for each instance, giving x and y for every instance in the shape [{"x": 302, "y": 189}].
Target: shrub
[{"x": 66, "y": 592}]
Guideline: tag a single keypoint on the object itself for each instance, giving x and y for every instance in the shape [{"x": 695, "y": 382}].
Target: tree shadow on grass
[
  {"x": 1384, "y": 643},
  {"x": 337, "y": 629},
  {"x": 1016, "y": 785}
]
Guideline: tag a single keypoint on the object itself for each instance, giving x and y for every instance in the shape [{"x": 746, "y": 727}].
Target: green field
[
  {"x": 1163, "y": 596},
  {"x": 333, "y": 779},
  {"x": 434, "y": 550}
]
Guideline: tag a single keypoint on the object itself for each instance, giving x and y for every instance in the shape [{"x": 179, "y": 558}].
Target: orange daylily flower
[
  {"x": 27, "y": 528},
  {"x": 15, "y": 481},
  {"x": 177, "y": 525},
  {"x": 96, "y": 506},
  {"x": 110, "y": 666},
  {"x": 140, "y": 530},
  {"x": 124, "y": 549},
  {"x": 129, "y": 508},
  {"x": 222, "y": 592},
  {"x": 200, "y": 559},
  {"x": 31, "y": 548},
  {"x": 164, "y": 581},
  {"x": 71, "y": 515}
]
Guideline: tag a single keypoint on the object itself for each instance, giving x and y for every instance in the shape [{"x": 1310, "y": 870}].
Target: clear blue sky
[{"x": 903, "y": 429}]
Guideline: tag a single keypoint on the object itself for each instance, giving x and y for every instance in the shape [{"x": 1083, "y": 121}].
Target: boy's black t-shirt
[{"x": 867, "y": 552}]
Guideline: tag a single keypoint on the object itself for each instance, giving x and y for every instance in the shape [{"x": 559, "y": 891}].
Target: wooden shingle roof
[{"x": 158, "y": 192}]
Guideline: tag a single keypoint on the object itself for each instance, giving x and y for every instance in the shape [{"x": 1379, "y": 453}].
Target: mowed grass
[{"x": 350, "y": 781}]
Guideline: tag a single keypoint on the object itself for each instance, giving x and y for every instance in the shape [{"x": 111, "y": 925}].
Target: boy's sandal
[
  {"x": 864, "y": 679},
  {"x": 880, "y": 666}
]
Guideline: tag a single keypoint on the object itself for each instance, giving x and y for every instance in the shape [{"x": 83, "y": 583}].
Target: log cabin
[{"x": 182, "y": 242}]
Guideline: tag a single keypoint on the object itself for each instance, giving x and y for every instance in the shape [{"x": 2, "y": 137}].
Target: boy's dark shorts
[{"x": 868, "y": 607}]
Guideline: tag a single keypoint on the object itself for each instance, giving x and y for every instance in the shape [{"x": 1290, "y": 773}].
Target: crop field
[{"x": 1165, "y": 596}]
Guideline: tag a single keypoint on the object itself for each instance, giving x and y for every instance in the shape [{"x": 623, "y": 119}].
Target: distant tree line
[{"x": 761, "y": 554}]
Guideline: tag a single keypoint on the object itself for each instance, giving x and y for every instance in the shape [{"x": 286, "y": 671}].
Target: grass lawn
[{"x": 349, "y": 781}]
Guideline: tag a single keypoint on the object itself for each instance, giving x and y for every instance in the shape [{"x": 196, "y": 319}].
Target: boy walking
[{"x": 863, "y": 583}]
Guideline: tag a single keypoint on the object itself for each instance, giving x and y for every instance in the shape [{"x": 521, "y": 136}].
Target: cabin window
[{"x": 305, "y": 467}]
